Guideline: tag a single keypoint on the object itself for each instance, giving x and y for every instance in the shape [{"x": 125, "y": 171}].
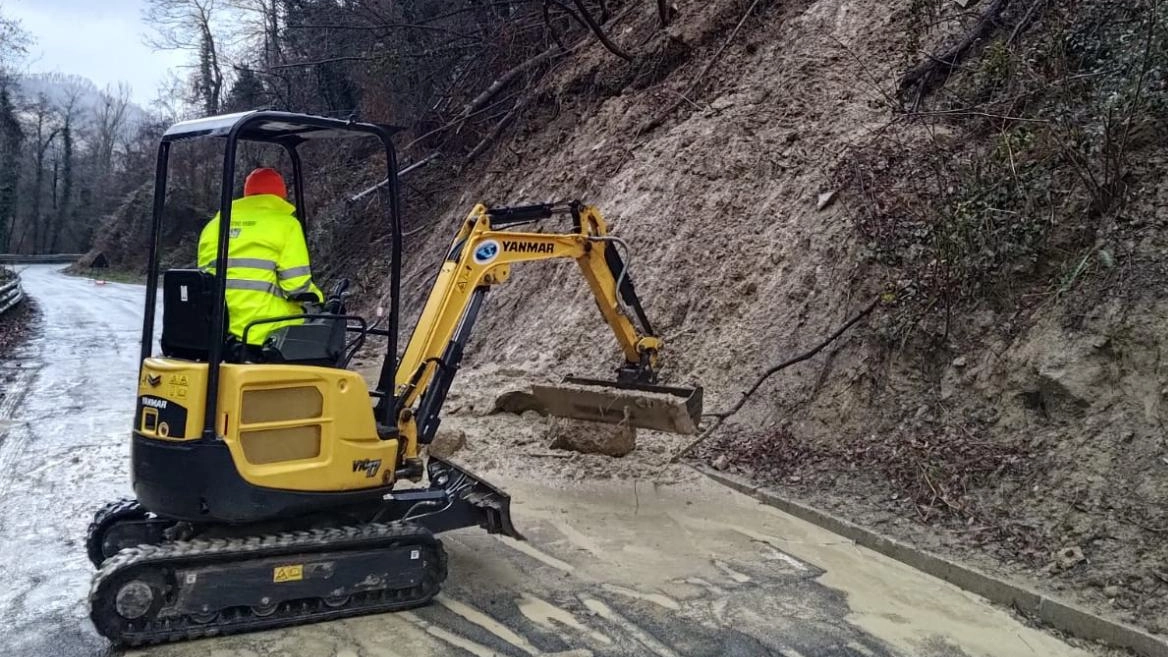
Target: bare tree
[
  {"x": 14, "y": 42},
  {"x": 109, "y": 123},
  {"x": 13, "y": 46},
  {"x": 259, "y": 24},
  {"x": 190, "y": 25},
  {"x": 69, "y": 110},
  {"x": 45, "y": 131}
]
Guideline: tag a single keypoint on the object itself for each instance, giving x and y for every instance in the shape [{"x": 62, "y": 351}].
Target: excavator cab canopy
[{"x": 287, "y": 130}]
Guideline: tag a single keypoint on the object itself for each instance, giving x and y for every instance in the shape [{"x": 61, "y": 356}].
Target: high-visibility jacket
[{"x": 267, "y": 263}]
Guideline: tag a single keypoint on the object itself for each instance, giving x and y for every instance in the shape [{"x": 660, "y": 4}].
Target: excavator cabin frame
[{"x": 288, "y": 131}]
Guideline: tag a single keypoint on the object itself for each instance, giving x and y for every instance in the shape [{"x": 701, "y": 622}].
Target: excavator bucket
[{"x": 662, "y": 408}]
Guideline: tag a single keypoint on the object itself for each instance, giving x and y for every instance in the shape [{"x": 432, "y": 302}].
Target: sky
[{"x": 98, "y": 39}]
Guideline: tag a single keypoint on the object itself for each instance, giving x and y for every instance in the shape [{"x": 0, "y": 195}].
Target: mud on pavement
[
  {"x": 623, "y": 557},
  {"x": 690, "y": 569}
]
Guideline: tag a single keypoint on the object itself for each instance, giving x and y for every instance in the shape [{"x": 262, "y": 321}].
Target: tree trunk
[{"x": 65, "y": 205}]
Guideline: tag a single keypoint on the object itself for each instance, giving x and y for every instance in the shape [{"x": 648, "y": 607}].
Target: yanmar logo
[
  {"x": 156, "y": 403},
  {"x": 528, "y": 247}
]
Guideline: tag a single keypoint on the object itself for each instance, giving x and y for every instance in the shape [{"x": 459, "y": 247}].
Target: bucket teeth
[{"x": 661, "y": 408}]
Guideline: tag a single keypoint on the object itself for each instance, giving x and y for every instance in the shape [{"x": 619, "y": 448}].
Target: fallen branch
[
  {"x": 319, "y": 62},
  {"x": 600, "y": 35},
  {"x": 656, "y": 121},
  {"x": 663, "y": 12},
  {"x": 508, "y": 77},
  {"x": 551, "y": 455},
  {"x": 721, "y": 417},
  {"x": 519, "y": 106},
  {"x": 932, "y": 72},
  {"x": 1027, "y": 19},
  {"x": 451, "y": 124}
]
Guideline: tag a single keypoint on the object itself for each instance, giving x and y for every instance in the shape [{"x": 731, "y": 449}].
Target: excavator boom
[{"x": 481, "y": 256}]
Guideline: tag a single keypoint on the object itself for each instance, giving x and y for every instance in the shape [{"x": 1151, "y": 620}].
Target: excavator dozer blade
[
  {"x": 477, "y": 502},
  {"x": 662, "y": 408}
]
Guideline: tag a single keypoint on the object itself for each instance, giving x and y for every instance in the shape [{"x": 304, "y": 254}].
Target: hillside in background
[{"x": 59, "y": 89}]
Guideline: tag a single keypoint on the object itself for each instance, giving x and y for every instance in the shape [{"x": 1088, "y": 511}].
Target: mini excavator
[{"x": 274, "y": 488}]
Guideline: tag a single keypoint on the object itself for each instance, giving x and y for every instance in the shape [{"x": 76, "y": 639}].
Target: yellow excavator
[{"x": 275, "y": 488}]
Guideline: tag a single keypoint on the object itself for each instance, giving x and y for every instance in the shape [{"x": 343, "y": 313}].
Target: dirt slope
[{"x": 1029, "y": 440}]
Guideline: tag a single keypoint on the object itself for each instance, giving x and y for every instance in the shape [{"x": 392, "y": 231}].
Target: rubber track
[
  {"x": 179, "y": 554},
  {"x": 102, "y": 519}
]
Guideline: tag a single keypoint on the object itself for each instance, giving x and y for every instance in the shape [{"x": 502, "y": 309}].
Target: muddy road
[{"x": 616, "y": 568}]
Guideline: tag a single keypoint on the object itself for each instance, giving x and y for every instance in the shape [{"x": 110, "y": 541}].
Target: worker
[{"x": 268, "y": 273}]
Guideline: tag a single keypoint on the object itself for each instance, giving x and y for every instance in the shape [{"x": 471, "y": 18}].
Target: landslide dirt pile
[{"x": 775, "y": 169}]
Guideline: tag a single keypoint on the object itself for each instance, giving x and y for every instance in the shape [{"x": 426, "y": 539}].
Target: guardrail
[
  {"x": 42, "y": 259},
  {"x": 10, "y": 294}
]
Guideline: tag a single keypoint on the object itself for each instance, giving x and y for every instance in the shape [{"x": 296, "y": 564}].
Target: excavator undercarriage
[{"x": 163, "y": 580}]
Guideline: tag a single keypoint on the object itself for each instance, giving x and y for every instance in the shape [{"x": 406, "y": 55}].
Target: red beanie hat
[{"x": 265, "y": 181}]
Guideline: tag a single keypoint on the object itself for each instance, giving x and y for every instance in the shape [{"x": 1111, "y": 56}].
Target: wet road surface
[{"x": 609, "y": 570}]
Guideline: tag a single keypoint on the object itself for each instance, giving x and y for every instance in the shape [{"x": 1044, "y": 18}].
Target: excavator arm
[{"x": 480, "y": 256}]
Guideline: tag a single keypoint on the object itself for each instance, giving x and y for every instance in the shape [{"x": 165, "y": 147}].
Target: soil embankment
[{"x": 1004, "y": 405}]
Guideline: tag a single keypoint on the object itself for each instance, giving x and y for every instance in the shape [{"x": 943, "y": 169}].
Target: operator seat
[{"x": 188, "y": 300}]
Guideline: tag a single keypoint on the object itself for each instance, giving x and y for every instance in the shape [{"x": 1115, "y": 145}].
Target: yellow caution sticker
[{"x": 288, "y": 573}]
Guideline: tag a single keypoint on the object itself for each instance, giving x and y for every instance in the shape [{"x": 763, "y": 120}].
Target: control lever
[{"x": 335, "y": 303}]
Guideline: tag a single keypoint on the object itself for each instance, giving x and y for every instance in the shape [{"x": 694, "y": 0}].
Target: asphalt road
[{"x": 609, "y": 570}]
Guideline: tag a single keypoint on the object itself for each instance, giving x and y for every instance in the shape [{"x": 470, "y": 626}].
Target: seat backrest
[
  {"x": 188, "y": 300},
  {"x": 319, "y": 342}
]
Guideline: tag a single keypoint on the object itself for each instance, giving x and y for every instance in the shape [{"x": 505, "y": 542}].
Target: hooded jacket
[{"x": 267, "y": 264}]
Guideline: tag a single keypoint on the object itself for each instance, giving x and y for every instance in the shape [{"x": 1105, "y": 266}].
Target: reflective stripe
[
  {"x": 293, "y": 272},
  {"x": 258, "y": 286},
  {"x": 250, "y": 263},
  {"x": 307, "y": 287}
]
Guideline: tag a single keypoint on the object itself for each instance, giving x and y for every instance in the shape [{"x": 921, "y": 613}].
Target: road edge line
[{"x": 1061, "y": 615}]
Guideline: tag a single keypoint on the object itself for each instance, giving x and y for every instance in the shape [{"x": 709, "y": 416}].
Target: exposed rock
[
  {"x": 447, "y": 442},
  {"x": 1069, "y": 557},
  {"x": 722, "y": 102},
  {"x": 518, "y": 402},
  {"x": 591, "y": 437}
]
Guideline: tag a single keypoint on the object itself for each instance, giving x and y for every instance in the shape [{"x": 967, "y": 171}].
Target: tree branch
[
  {"x": 600, "y": 35},
  {"x": 319, "y": 62},
  {"x": 507, "y": 77},
  {"x": 930, "y": 74},
  {"x": 721, "y": 417},
  {"x": 499, "y": 127}
]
